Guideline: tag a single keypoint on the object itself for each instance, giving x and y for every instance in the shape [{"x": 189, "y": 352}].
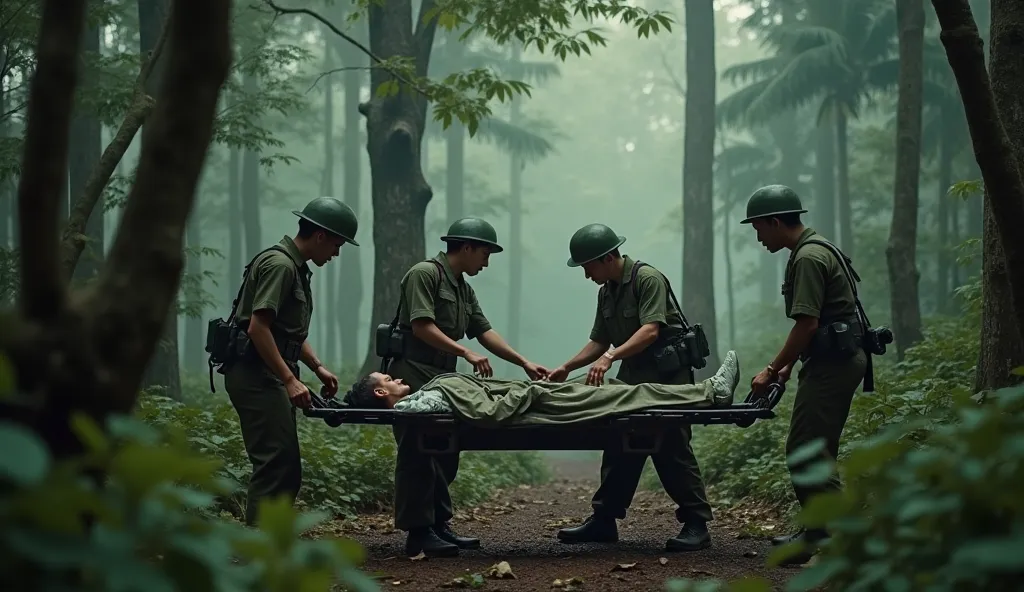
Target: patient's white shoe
[{"x": 725, "y": 381}]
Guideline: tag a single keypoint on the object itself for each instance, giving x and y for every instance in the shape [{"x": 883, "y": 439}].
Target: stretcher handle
[{"x": 767, "y": 400}]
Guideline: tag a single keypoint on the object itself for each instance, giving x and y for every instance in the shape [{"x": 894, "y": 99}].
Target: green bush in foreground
[
  {"x": 150, "y": 523},
  {"x": 346, "y": 470},
  {"x": 929, "y": 505}
]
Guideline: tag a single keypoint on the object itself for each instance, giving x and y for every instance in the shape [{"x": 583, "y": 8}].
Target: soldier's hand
[
  {"x": 481, "y": 365},
  {"x": 535, "y": 372},
  {"x": 330, "y": 381},
  {"x": 298, "y": 393},
  {"x": 595, "y": 376},
  {"x": 558, "y": 374}
]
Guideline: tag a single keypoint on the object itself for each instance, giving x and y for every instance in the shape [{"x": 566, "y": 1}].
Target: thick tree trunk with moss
[
  {"x": 995, "y": 117},
  {"x": 394, "y": 127},
  {"x": 698, "y": 285},
  {"x": 901, "y": 252},
  {"x": 1002, "y": 346},
  {"x": 89, "y": 354}
]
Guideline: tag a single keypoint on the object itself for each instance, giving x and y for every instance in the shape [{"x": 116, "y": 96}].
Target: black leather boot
[
  {"x": 594, "y": 529},
  {"x": 787, "y": 538},
  {"x": 811, "y": 538},
  {"x": 694, "y": 536},
  {"x": 445, "y": 533},
  {"x": 425, "y": 540}
]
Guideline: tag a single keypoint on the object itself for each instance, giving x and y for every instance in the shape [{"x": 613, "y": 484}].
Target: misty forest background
[{"x": 662, "y": 137}]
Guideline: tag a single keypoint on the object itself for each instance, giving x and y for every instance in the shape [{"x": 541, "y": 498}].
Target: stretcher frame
[{"x": 641, "y": 432}]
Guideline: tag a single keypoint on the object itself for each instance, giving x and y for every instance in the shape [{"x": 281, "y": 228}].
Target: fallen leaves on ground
[{"x": 501, "y": 571}]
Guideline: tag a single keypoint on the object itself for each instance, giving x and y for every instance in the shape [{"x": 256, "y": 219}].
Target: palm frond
[
  {"x": 878, "y": 40},
  {"x": 733, "y": 110},
  {"x": 513, "y": 139},
  {"x": 755, "y": 70},
  {"x": 801, "y": 37},
  {"x": 807, "y": 76},
  {"x": 882, "y": 76}
]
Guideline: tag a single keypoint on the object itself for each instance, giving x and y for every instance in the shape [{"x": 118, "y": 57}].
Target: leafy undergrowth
[{"x": 346, "y": 470}]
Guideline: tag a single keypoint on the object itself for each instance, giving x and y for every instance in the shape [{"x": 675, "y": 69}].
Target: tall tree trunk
[
  {"x": 1002, "y": 346},
  {"x": 698, "y": 286},
  {"x": 163, "y": 368},
  {"x": 515, "y": 222},
  {"x": 942, "y": 214},
  {"x": 784, "y": 131},
  {"x": 846, "y": 240},
  {"x": 250, "y": 197},
  {"x": 329, "y": 313},
  {"x": 455, "y": 139},
  {"x": 350, "y": 294},
  {"x": 727, "y": 223},
  {"x": 825, "y": 181},
  {"x": 234, "y": 218},
  {"x": 195, "y": 333},
  {"x": 85, "y": 146},
  {"x": 901, "y": 252},
  {"x": 6, "y": 195},
  {"x": 394, "y": 127}
]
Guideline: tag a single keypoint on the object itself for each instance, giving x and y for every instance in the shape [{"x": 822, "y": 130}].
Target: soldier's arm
[
  {"x": 419, "y": 301},
  {"x": 598, "y": 344},
  {"x": 308, "y": 357},
  {"x": 273, "y": 281},
  {"x": 809, "y": 274},
  {"x": 653, "y": 312}
]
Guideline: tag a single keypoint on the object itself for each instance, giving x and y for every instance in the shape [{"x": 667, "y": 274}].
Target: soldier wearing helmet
[
  {"x": 820, "y": 296},
  {"x": 274, "y": 308},
  {"x": 437, "y": 308},
  {"x": 638, "y": 314}
]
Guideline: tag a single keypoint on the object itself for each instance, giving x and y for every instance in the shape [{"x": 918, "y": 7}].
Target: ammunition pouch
[
  {"x": 220, "y": 336},
  {"x": 398, "y": 342},
  {"x": 836, "y": 340},
  {"x": 680, "y": 348}
]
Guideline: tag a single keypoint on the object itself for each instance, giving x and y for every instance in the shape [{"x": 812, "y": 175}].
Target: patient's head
[{"x": 376, "y": 391}]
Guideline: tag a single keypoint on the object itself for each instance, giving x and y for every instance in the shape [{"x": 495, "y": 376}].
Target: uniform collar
[
  {"x": 293, "y": 252},
  {"x": 627, "y": 269},
  {"x": 443, "y": 260},
  {"x": 806, "y": 234}
]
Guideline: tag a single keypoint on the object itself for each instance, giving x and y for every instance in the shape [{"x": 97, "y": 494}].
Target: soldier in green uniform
[
  {"x": 437, "y": 309},
  {"x": 274, "y": 308},
  {"x": 637, "y": 313},
  {"x": 820, "y": 297}
]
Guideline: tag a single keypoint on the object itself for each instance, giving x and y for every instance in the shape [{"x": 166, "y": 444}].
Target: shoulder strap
[
  {"x": 245, "y": 277},
  {"x": 671, "y": 294},
  {"x": 851, "y": 275},
  {"x": 440, "y": 279}
]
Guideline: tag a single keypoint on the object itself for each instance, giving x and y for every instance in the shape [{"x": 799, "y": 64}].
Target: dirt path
[{"x": 519, "y": 527}]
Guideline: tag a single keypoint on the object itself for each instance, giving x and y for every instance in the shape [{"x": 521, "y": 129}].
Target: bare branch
[
  {"x": 323, "y": 75},
  {"x": 346, "y": 37},
  {"x": 73, "y": 239},
  {"x": 138, "y": 286},
  {"x": 45, "y": 160}
]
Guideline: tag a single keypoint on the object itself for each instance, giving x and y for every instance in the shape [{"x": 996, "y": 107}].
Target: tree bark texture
[
  {"x": 698, "y": 293},
  {"x": 994, "y": 115},
  {"x": 901, "y": 252},
  {"x": 394, "y": 126},
  {"x": 89, "y": 354},
  {"x": 1002, "y": 346}
]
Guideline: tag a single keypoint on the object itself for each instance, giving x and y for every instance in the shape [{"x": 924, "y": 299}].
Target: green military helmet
[
  {"x": 591, "y": 242},
  {"x": 773, "y": 200},
  {"x": 333, "y": 216},
  {"x": 474, "y": 229}
]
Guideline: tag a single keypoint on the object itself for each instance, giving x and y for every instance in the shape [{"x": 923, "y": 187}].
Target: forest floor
[{"x": 518, "y": 526}]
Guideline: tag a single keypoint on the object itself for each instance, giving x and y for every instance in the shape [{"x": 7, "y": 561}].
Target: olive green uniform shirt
[
  {"x": 620, "y": 315},
  {"x": 279, "y": 283},
  {"x": 816, "y": 284},
  {"x": 451, "y": 303}
]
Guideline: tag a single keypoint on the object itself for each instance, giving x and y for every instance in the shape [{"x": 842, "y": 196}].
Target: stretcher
[{"x": 640, "y": 432}]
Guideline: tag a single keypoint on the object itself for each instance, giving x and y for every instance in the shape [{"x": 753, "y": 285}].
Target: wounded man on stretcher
[{"x": 493, "y": 402}]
